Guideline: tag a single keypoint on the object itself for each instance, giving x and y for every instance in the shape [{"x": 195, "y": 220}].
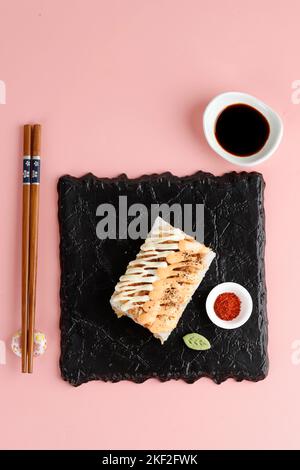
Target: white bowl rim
[
  {"x": 276, "y": 127},
  {"x": 238, "y": 289}
]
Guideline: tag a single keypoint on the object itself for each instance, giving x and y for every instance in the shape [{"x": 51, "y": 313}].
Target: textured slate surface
[{"x": 95, "y": 344}]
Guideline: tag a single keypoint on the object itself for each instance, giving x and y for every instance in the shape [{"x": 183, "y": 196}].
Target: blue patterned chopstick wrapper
[
  {"x": 26, "y": 169},
  {"x": 35, "y": 170}
]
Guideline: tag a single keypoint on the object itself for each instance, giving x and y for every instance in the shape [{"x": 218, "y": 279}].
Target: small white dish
[
  {"x": 218, "y": 104},
  {"x": 246, "y": 305}
]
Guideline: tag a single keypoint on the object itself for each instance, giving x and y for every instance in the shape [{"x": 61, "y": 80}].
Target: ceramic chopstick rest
[{"x": 39, "y": 345}]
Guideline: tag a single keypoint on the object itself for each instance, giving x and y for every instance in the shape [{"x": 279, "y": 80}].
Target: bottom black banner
[{"x": 135, "y": 459}]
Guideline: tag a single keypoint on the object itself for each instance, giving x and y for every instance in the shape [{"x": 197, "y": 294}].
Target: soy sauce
[{"x": 242, "y": 130}]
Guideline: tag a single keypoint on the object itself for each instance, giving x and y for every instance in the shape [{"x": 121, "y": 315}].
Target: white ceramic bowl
[
  {"x": 218, "y": 104},
  {"x": 246, "y": 305}
]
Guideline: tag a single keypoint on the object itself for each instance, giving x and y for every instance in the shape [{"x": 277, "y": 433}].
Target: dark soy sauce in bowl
[{"x": 242, "y": 130}]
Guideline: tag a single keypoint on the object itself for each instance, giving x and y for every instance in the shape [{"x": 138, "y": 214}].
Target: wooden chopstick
[
  {"x": 33, "y": 238},
  {"x": 25, "y": 241}
]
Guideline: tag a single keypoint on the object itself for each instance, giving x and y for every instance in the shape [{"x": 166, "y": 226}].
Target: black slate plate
[{"x": 95, "y": 344}]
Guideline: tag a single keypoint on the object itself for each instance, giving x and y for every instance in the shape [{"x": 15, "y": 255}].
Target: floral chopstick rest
[{"x": 39, "y": 345}]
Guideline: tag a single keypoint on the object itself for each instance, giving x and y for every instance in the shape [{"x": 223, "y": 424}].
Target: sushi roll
[{"x": 160, "y": 282}]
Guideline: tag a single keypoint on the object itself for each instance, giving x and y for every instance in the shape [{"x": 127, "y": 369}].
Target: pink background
[{"x": 120, "y": 86}]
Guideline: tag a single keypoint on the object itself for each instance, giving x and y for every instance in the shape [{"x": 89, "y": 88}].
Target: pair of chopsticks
[{"x": 31, "y": 183}]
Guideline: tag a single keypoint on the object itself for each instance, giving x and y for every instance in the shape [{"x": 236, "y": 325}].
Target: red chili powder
[{"x": 227, "y": 306}]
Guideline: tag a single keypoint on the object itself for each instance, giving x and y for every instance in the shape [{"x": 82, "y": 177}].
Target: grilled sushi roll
[{"x": 160, "y": 282}]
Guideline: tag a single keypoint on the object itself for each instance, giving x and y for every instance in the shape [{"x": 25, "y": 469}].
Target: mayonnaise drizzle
[{"x": 162, "y": 240}]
